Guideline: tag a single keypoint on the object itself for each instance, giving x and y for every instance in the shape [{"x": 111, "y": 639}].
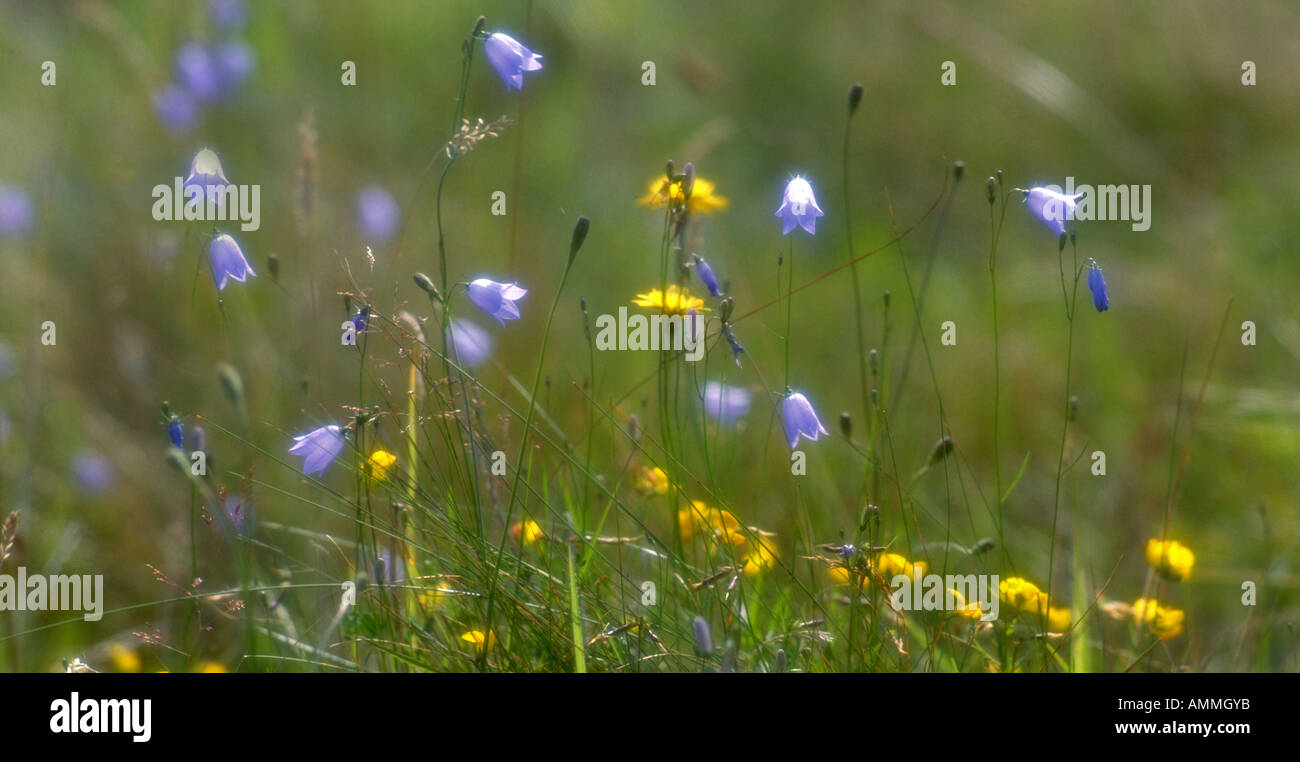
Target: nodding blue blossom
[
  {"x": 377, "y": 214},
  {"x": 360, "y": 319},
  {"x": 15, "y": 212},
  {"x": 473, "y": 344},
  {"x": 176, "y": 432},
  {"x": 510, "y": 58},
  {"x": 93, "y": 473},
  {"x": 176, "y": 108},
  {"x": 1097, "y": 284},
  {"x": 233, "y": 60},
  {"x": 1051, "y": 207},
  {"x": 228, "y": 14},
  {"x": 497, "y": 299},
  {"x": 206, "y": 172},
  {"x": 703, "y": 637},
  {"x": 799, "y": 207},
  {"x": 318, "y": 448},
  {"x": 800, "y": 419},
  {"x": 736, "y": 349},
  {"x": 197, "y": 71},
  {"x": 228, "y": 261},
  {"x": 726, "y": 404},
  {"x": 198, "y": 439},
  {"x": 707, "y": 277}
]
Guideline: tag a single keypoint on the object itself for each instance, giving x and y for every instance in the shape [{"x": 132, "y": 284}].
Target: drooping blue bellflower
[
  {"x": 318, "y": 448},
  {"x": 378, "y": 215},
  {"x": 799, "y": 207},
  {"x": 707, "y": 277},
  {"x": 1053, "y": 208},
  {"x": 1097, "y": 284},
  {"x": 497, "y": 299},
  {"x": 726, "y": 404},
  {"x": 510, "y": 59},
  {"x": 176, "y": 432},
  {"x": 473, "y": 344},
  {"x": 228, "y": 261},
  {"x": 800, "y": 419}
]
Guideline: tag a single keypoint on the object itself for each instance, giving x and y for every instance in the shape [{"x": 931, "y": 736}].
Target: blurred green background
[{"x": 752, "y": 93}]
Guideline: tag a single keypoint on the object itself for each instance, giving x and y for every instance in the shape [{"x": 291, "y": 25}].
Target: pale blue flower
[
  {"x": 176, "y": 108},
  {"x": 1051, "y": 207},
  {"x": 318, "y": 448},
  {"x": 799, "y": 207},
  {"x": 510, "y": 59},
  {"x": 228, "y": 261},
  {"x": 377, "y": 214},
  {"x": 726, "y": 404},
  {"x": 1097, "y": 284},
  {"x": 15, "y": 211},
  {"x": 198, "y": 72},
  {"x": 707, "y": 277},
  {"x": 473, "y": 344},
  {"x": 800, "y": 419},
  {"x": 496, "y": 299}
]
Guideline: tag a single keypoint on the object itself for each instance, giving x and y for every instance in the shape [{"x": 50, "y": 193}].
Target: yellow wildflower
[
  {"x": 677, "y": 301},
  {"x": 891, "y": 565},
  {"x": 1022, "y": 595},
  {"x": 479, "y": 639},
  {"x": 211, "y": 668},
  {"x": 1165, "y": 621},
  {"x": 760, "y": 557},
  {"x": 527, "y": 532},
  {"x": 702, "y": 201},
  {"x": 1171, "y": 559},
  {"x": 651, "y": 481},
  {"x": 1058, "y": 619},
  {"x": 378, "y": 464},
  {"x": 699, "y": 517},
  {"x": 963, "y": 609}
]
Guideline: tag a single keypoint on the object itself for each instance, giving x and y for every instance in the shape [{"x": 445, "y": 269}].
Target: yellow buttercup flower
[
  {"x": 676, "y": 301},
  {"x": 1165, "y": 621},
  {"x": 702, "y": 201},
  {"x": 699, "y": 517},
  {"x": 1022, "y": 595},
  {"x": 1171, "y": 559},
  {"x": 211, "y": 668},
  {"x": 891, "y": 565},
  {"x": 1058, "y": 619},
  {"x": 479, "y": 640},
  {"x": 527, "y": 532},
  {"x": 651, "y": 481},
  {"x": 762, "y": 556},
  {"x": 378, "y": 464}
]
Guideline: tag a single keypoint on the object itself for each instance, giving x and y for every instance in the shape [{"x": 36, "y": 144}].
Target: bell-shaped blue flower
[
  {"x": 206, "y": 172},
  {"x": 726, "y": 404},
  {"x": 800, "y": 419},
  {"x": 511, "y": 59},
  {"x": 736, "y": 349},
  {"x": 318, "y": 448},
  {"x": 799, "y": 207},
  {"x": 496, "y": 299},
  {"x": 377, "y": 214},
  {"x": 1052, "y": 207},
  {"x": 1097, "y": 284},
  {"x": 176, "y": 432},
  {"x": 176, "y": 108},
  {"x": 228, "y": 261},
  {"x": 197, "y": 71},
  {"x": 707, "y": 277},
  {"x": 473, "y": 344}
]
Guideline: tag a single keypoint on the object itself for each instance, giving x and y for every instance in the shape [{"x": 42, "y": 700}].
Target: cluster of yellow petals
[
  {"x": 676, "y": 301},
  {"x": 703, "y": 199},
  {"x": 1025, "y": 598},
  {"x": 479, "y": 639},
  {"x": 527, "y": 532},
  {"x": 1171, "y": 559},
  {"x": 1165, "y": 621},
  {"x": 377, "y": 465},
  {"x": 650, "y": 481},
  {"x": 755, "y": 550}
]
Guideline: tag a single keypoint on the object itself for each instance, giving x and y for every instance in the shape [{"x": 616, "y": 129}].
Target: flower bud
[
  {"x": 958, "y": 169},
  {"x": 991, "y": 186},
  {"x": 580, "y": 229},
  {"x": 846, "y": 425},
  {"x": 426, "y": 285},
  {"x": 855, "y": 97}
]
